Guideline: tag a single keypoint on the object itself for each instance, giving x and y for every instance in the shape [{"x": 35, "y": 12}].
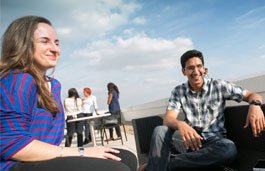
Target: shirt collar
[{"x": 203, "y": 89}]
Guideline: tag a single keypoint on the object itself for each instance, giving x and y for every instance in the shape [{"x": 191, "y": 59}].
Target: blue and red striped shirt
[{"x": 21, "y": 120}]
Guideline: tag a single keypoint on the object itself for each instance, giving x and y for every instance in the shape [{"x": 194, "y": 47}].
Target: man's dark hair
[{"x": 190, "y": 54}]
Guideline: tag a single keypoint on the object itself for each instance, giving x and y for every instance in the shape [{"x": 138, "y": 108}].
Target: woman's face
[
  {"x": 86, "y": 94},
  {"x": 46, "y": 47}
]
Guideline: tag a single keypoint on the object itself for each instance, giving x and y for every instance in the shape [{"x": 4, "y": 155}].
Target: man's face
[{"x": 194, "y": 70}]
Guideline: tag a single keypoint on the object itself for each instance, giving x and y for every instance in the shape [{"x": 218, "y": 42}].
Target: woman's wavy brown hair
[
  {"x": 17, "y": 55},
  {"x": 112, "y": 86}
]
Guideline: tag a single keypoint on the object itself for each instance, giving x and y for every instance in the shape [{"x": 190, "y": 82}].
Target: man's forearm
[
  {"x": 252, "y": 96},
  {"x": 172, "y": 123},
  {"x": 170, "y": 119}
]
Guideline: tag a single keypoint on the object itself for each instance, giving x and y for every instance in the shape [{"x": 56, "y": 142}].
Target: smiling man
[{"x": 199, "y": 140}]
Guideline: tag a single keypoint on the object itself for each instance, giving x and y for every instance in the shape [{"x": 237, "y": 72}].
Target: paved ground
[{"x": 129, "y": 144}]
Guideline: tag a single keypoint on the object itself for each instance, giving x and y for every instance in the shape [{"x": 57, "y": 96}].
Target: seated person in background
[
  {"x": 31, "y": 113},
  {"x": 200, "y": 140}
]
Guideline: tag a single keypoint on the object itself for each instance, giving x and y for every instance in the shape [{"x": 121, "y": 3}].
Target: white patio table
[{"x": 91, "y": 125}]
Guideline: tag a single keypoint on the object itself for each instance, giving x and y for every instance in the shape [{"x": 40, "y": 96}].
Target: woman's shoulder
[
  {"x": 16, "y": 78},
  {"x": 93, "y": 97},
  {"x": 68, "y": 99},
  {"x": 16, "y": 74},
  {"x": 54, "y": 81},
  {"x": 114, "y": 93},
  {"x": 19, "y": 85}
]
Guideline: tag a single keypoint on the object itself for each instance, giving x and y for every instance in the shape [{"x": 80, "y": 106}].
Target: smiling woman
[
  {"x": 46, "y": 47},
  {"x": 19, "y": 52},
  {"x": 31, "y": 112}
]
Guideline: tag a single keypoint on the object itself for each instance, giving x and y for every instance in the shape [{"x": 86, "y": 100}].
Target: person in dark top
[{"x": 114, "y": 108}]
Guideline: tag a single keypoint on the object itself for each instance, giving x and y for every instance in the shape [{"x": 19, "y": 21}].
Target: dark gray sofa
[{"x": 250, "y": 148}]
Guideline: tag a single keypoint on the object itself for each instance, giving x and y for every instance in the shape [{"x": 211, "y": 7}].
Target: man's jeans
[{"x": 215, "y": 151}]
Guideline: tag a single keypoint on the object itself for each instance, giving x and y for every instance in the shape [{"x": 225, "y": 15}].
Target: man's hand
[
  {"x": 256, "y": 119},
  {"x": 189, "y": 136}
]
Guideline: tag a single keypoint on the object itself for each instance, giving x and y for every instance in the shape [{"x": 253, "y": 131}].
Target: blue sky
[{"x": 137, "y": 43}]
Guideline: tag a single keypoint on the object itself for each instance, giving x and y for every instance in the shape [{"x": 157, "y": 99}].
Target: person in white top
[
  {"x": 73, "y": 106},
  {"x": 88, "y": 108}
]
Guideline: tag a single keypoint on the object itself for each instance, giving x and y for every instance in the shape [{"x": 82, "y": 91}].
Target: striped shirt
[
  {"x": 205, "y": 110},
  {"x": 21, "y": 121}
]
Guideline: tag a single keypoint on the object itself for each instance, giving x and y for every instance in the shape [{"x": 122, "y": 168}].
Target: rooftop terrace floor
[{"x": 128, "y": 145}]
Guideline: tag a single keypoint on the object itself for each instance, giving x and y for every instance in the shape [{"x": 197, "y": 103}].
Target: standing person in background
[
  {"x": 31, "y": 113},
  {"x": 205, "y": 75},
  {"x": 114, "y": 108},
  {"x": 72, "y": 106},
  {"x": 88, "y": 108}
]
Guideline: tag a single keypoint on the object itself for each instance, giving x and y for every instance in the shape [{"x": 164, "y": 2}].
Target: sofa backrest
[
  {"x": 235, "y": 119},
  {"x": 143, "y": 130}
]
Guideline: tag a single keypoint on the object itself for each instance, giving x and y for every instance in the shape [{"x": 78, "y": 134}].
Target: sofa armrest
[
  {"x": 143, "y": 130},
  {"x": 235, "y": 119}
]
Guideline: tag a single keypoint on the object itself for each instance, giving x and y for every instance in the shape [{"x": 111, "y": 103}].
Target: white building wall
[
  {"x": 255, "y": 84},
  {"x": 158, "y": 107}
]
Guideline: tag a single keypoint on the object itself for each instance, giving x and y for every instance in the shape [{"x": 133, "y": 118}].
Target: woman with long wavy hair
[
  {"x": 31, "y": 113},
  {"x": 114, "y": 108}
]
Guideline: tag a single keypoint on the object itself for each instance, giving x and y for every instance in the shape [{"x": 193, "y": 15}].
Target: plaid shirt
[{"x": 204, "y": 110}]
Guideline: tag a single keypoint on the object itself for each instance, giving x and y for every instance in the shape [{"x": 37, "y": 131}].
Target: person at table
[
  {"x": 73, "y": 106},
  {"x": 31, "y": 113},
  {"x": 114, "y": 108},
  {"x": 88, "y": 108}
]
